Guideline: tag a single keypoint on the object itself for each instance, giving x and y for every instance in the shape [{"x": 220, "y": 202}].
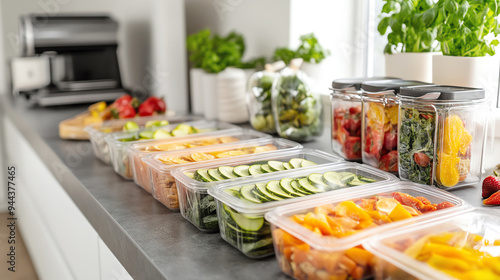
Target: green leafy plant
[
  {"x": 310, "y": 50},
  {"x": 413, "y": 25},
  {"x": 215, "y": 53},
  {"x": 465, "y": 25}
]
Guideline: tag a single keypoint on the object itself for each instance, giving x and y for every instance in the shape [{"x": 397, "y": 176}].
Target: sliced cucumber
[
  {"x": 356, "y": 182},
  {"x": 246, "y": 193},
  {"x": 255, "y": 246},
  {"x": 265, "y": 168},
  {"x": 245, "y": 222},
  {"x": 316, "y": 179},
  {"x": 366, "y": 179},
  {"x": 275, "y": 188},
  {"x": 258, "y": 196},
  {"x": 296, "y": 162},
  {"x": 306, "y": 163},
  {"x": 130, "y": 126},
  {"x": 182, "y": 129},
  {"x": 296, "y": 187},
  {"x": 233, "y": 191},
  {"x": 287, "y": 166},
  {"x": 202, "y": 175},
  {"x": 241, "y": 170},
  {"x": 161, "y": 134},
  {"x": 286, "y": 185},
  {"x": 215, "y": 175},
  {"x": 262, "y": 190},
  {"x": 306, "y": 186},
  {"x": 146, "y": 135},
  {"x": 189, "y": 174},
  {"x": 333, "y": 179},
  {"x": 226, "y": 172},
  {"x": 347, "y": 177},
  {"x": 255, "y": 169},
  {"x": 276, "y": 165}
]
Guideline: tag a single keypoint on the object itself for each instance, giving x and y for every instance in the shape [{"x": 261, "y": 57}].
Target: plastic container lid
[
  {"x": 356, "y": 82},
  {"x": 476, "y": 222},
  {"x": 443, "y": 92},
  {"x": 260, "y": 209},
  {"x": 280, "y": 216},
  {"x": 386, "y": 85},
  {"x": 277, "y": 155}
]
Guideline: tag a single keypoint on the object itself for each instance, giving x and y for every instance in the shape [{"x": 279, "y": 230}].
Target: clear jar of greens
[
  {"x": 297, "y": 108},
  {"x": 441, "y": 135},
  {"x": 258, "y": 98}
]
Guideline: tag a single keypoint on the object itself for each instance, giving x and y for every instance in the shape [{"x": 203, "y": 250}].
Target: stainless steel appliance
[{"x": 81, "y": 54}]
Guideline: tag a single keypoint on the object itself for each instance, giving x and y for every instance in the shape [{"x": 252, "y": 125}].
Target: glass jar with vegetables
[
  {"x": 380, "y": 123},
  {"x": 258, "y": 97},
  {"x": 442, "y": 129},
  {"x": 346, "y": 116},
  {"x": 297, "y": 108}
]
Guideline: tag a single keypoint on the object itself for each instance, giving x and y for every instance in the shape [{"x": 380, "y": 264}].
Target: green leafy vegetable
[
  {"x": 413, "y": 25},
  {"x": 416, "y": 140},
  {"x": 465, "y": 26},
  {"x": 309, "y": 50},
  {"x": 214, "y": 53},
  {"x": 261, "y": 114}
]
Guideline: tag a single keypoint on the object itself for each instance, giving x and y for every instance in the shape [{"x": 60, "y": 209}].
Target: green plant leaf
[
  {"x": 462, "y": 11},
  {"x": 451, "y": 6},
  {"x": 382, "y": 26},
  {"x": 429, "y": 16}
]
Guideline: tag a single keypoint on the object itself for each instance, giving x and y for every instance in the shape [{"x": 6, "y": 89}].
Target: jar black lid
[
  {"x": 446, "y": 92},
  {"x": 395, "y": 85},
  {"x": 356, "y": 82}
]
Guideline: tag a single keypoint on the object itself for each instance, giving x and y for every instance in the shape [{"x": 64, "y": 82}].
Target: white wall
[{"x": 134, "y": 17}]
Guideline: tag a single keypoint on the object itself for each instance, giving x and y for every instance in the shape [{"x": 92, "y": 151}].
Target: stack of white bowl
[{"x": 231, "y": 104}]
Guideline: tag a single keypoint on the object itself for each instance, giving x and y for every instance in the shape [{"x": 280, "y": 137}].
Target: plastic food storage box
[
  {"x": 451, "y": 243},
  {"x": 346, "y": 116},
  {"x": 379, "y": 129},
  {"x": 242, "y": 223},
  {"x": 119, "y": 143},
  {"x": 160, "y": 166},
  {"x": 140, "y": 171},
  {"x": 198, "y": 207},
  {"x": 311, "y": 254},
  {"x": 442, "y": 129},
  {"x": 98, "y": 132}
]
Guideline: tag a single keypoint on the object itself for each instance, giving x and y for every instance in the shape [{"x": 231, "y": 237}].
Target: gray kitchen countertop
[{"x": 149, "y": 240}]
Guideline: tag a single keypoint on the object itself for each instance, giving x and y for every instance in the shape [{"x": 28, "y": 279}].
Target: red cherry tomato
[
  {"x": 389, "y": 162},
  {"x": 421, "y": 159},
  {"x": 123, "y": 100},
  {"x": 352, "y": 147},
  {"x": 145, "y": 109},
  {"x": 126, "y": 111}
]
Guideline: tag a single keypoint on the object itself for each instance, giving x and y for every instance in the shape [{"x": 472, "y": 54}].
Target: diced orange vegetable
[
  {"x": 399, "y": 213},
  {"x": 360, "y": 256}
]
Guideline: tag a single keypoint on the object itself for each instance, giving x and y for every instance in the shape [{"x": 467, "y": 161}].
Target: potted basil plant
[
  {"x": 313, "y": 55},
  {"x": 467, "y": 45},
  {"x": 411, "y": 28}
]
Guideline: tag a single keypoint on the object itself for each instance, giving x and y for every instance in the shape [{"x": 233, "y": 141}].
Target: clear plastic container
[
  {"x": 198, "y": 207},
  {"x": 297, "y": 108},
  {"x": 442, "y": 135},
  {"x": 332, "y": 248},
  {"x": 455, "y": 245},
  {"x": 241, "y": 221},
  {"x": 138, "y": 151},
  {"x": 98, "y": 132},
  {"x": 379, "y": 129},
  {"x": 160, "y": 166},
  {"x": 119, "y": 143},
  {"x": 258, "y": 98},
  {"x": 347, "y": 104}
]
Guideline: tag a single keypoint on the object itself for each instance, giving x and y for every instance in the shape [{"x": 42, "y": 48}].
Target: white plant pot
[
  {"x": 209, "y": 84},
  {"x": 410, "y": 66},
  {"x": 478, "y": 72},
  {"x": 196, "y": 89},
  {"x": 320, "y": 74}
]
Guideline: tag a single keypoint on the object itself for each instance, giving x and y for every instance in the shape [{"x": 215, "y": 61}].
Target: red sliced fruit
[
  {"x": 352, "y": 147},
  {"x": 445, "y": 204},
  {"x": 355, "y": 110},
  {"x": 421, "y": 159},
  {"x": 494, "y": 199},
  {"x": 389, "y": 162},
  {"x": 390, "y": 140}
]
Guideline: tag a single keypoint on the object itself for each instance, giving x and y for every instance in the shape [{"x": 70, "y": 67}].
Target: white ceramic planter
[
  {"x": 479, "y": 72},
  {"x": 410, "y": 66},
  {"x": 196, "y": 89},
  {"x": 209, "y": 84},
  {"x": 320, "y": 74}
]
